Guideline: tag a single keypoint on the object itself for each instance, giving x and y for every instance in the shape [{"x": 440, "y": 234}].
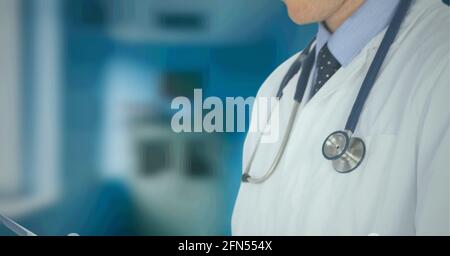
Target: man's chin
[{"x": 300, "y": 20}]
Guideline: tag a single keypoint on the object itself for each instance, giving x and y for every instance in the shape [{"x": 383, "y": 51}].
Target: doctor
[{"x": 378, "y": 73}]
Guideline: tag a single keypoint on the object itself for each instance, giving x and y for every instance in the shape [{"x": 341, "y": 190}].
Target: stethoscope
[{"x": 345, "y": 151}]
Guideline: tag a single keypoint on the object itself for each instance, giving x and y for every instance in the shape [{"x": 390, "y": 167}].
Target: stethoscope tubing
[
  {"x": 377, "y": 62},
  {"x": 286, "y": 135},
  {"x": 306, "y": 63}
]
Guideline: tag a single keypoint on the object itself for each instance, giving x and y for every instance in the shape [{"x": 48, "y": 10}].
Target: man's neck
[{"x": 333, "y": 22}]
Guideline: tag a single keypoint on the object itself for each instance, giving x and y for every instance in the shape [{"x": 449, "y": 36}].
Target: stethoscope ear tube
[
  {"x": 295, "y": 68},
  {"x": 246, "y": 177}
]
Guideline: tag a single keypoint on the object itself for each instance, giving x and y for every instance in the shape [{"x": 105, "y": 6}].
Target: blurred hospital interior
[{"x": 85, "y": 108}]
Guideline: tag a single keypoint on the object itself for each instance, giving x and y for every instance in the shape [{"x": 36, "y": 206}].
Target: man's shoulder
[
  {"x": 271, "y": 84},
  {"x": 426, "y": 36},
  {"x": 431, "y": 25}
]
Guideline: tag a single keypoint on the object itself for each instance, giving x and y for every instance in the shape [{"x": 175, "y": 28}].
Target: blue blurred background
[{"x": 85, "y": 94}]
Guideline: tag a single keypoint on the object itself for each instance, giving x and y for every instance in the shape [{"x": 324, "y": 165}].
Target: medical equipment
[
  {"x": 14, "y": 227},
  {"x": 344, "y": 151},
  {"x": 18, "y": 229}
]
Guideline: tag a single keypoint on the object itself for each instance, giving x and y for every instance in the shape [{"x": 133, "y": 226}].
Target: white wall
[
  {"x": 47, "y": 91},
  {"x": 45, "y": 111},
  {"x": 9, "y": 96}
]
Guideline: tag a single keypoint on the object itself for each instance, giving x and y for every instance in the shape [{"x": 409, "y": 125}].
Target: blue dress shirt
[{"x": 358, "y": 30}]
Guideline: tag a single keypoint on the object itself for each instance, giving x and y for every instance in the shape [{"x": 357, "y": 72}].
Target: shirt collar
[{"x": 357, "y": 31}]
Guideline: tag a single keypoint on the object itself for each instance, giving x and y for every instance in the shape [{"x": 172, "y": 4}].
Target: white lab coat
[{"x": 402, "y": 186}]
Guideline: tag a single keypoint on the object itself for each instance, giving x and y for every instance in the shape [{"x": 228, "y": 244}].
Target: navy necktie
[{"x": 326, "y": 67}]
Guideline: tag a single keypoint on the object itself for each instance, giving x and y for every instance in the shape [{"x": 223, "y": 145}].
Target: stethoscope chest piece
[{"x": 344, "y": 151}]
